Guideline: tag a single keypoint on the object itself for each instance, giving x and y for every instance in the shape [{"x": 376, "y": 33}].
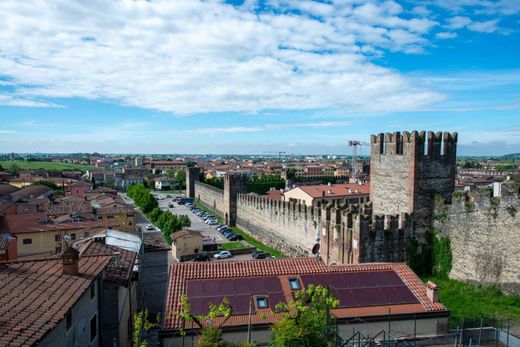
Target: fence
[{"x": 462, "y": 332}]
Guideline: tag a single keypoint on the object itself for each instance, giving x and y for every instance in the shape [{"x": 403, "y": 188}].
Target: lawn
[
  {"x": 232, "y": 245},
  {"x": 253, "y": 242},
  {"x": 471, "y": 301},
  {"x": 34, "y": 165}
]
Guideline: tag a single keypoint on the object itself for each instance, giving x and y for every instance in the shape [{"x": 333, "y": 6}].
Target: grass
[
  {"x": 34, "y": 165},
  {"x": 253, "y": 242},
  {"x": 232, "y": 245},
  {"x": 473, "y": 301}
]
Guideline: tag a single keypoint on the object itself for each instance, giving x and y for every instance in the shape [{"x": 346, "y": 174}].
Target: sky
[{"x": 251, "y": 77}]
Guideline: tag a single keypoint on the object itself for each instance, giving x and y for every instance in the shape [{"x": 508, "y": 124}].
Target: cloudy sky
[{"x": 186, "y": 76}]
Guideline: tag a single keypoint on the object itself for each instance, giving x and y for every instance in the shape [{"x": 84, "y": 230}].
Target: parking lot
[{"x": 197, "y": 222}]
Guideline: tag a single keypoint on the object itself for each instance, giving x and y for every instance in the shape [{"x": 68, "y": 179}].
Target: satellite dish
[
  {"x": 316, "y": 248},
  {"x": 67, "y": 237}
]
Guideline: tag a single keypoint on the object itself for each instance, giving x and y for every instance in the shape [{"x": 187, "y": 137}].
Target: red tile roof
[
  {"x": 7, "y": 188},
  {"x": 117, "y": 271},
  {"x": 335, "y": 190},
  {"x": 181, "y": 273},
  {"x": 35, "y": 296},
  {"x": 35, "y": 222}
]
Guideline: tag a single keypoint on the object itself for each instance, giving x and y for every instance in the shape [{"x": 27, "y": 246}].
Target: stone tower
[
  {"x": 233, "y": 183},
  {"x": 407, "y": 170},
  {"x": 192, "y": 176}
]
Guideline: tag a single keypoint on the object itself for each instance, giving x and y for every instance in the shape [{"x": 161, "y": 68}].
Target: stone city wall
[
  {"x": 485, "y": 236},
  {"x": 288, "y": 227},
  {"x": 210, "y": 197}
]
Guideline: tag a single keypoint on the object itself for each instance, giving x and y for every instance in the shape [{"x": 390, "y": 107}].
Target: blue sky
[{"x": 256, "y": 76}]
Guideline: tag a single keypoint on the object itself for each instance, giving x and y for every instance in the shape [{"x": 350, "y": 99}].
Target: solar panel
[
  {"x": 276, "y": 298},
  {"x": 242, "y": 305},
  {"x": 227, "y": 287},
  {"x": 272, "y": 284},
  {"x": 211, "y": 288},
  {"x": 195, "y": 288}
]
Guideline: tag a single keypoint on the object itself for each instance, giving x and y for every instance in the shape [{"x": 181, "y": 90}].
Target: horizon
[{"x": 244, "y": 77}]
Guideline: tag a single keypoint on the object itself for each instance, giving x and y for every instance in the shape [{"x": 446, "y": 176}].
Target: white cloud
[
  {"x": 446, "y": 35},
  {"x": 458, "y": 22},
  {"x": 488, "y": 26},
  {"x": 267, "y": 127},
  {"x": 189, "y": 57}
]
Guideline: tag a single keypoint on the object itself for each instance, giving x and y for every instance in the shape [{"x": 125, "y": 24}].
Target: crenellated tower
[{"x": 407, "y": 170}]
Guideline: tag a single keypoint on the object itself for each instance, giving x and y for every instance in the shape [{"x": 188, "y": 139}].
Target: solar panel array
[
  {"x": 202, "y": 293},
  {"x": 361, "y": 289}
]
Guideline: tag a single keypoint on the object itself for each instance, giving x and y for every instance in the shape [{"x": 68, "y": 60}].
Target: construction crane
[
  {"x": 355, "y": 166},
  {"x": 279, "y": 154}
]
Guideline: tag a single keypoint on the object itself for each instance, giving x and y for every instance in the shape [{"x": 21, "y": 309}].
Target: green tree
[
  {"x": 180, "y": 176},
  {"x": 209, "y": 335},
  {"x": 306, "y": 321},
  {"x": 13, "y": 169},
  {"x": 94, "y": 185},
  {"x": 148, "y": 203},
  {"x": 141, "y": 328},
  {"x": 155, "y": 214},
  {"x": 49, "y": 184}
]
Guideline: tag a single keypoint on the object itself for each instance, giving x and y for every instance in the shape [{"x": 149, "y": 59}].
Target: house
[
  {"x": 186, "y": 242},
  {"x": 79, "y": 188},
  {"x": 163, "y": 183},
  {"x": 119, "y": 285},
  {"x": 162, "y": 166},
  {"x": 371, "y": 297},
  {"x": 36, "y": 191},
  {"x": 317, "y": 195},
  {"x": 37, "y": 234},
  {"x": 65, "y": 311},
  {"x": 128, "y": 180},
  {"x": 6, "y": 190}
]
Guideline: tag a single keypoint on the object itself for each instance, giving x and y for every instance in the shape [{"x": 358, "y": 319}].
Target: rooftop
[
  {"x": 363, "y": 290},
  {"x": 335, "y": 190},
  {"x": 35, "y": 296}
]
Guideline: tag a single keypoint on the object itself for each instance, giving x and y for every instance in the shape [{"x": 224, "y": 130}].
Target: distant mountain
[{"x": 511, "y": 156}]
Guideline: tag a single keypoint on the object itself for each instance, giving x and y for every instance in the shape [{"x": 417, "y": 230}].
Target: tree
[
  {"x": 148, "y": 203},
  {"x": 155, "y": 214},
  {"x": 13, "y": 169},
  {"x": 306, "y": 321},
  {"x": 94, "y": 185},
  {"x": 1, "y": 168},
  {"x": 141, "y": 328},
  {"x": 180, "y": 176},
  {"x": 209, "y": 335}
]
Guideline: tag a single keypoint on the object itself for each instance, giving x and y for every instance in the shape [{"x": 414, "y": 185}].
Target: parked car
[
  {"x": 149, "y": 227},
  {"x": 259, "y": 255},
  {"x": 221, "y": 226},
  {"x": 168, "y": 196},
  {"x": 212, "y": 222},
  {"x": 170, "y": 206},
  {"x": 223, "y": 255},
  {"x": 226, "y": 232},
  {"x": 231, "y": 236},
  {"x": 202, "y": 257}
]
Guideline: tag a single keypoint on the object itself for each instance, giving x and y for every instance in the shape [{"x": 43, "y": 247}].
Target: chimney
[
  {"x": 432, "y": 292},
  {"x": 70, "y": 260}
]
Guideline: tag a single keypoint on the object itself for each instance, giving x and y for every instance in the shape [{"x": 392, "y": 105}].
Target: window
[
  {"x": 68, "y": 321},
  {"x": 85, "y": 234},
  {"x": 261, "y": 302},
  {"x": 27, "y": 241},
  {"x": 73, "y": 236},
  {"x": 295, "y": 285},
  {"x": 57, "y": 237},
  {"x": 93, "y": 290},
  {"x": 93, "y": 328}
]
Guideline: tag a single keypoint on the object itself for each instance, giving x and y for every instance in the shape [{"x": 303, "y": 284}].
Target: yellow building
[{"x": 36, "y": 234}]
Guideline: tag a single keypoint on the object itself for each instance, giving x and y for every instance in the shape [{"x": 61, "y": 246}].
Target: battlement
[{"x": 419, "y": 144}]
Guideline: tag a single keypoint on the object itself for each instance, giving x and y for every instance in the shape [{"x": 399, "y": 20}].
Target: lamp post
[{"x": 249, "y": 319}]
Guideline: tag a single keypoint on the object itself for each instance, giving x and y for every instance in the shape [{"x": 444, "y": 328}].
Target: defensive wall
[
  {"x": 289, "y": 227},
  {"x": 352, "y": 234},
  {"x": 209, "y": 196},
  {"x": 484, "y": 233}
]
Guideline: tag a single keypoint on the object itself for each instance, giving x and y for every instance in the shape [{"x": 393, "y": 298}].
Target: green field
[
  {"x": 472, "y": 301},
  {"x": 232, "y": 245},
  {"x": 253, "y": 242},
  {"x": 34, "y": 165}
]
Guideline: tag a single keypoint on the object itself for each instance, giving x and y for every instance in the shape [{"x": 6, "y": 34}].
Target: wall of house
[
  {"x": 288, "y": 227},
  {"x": 125, "y": 221},
  {"x": 186, "y": 245},
  {"x": 41, "y": 242},
  {"x": 209, "y": 196},
  {"x": 485, "y": 236},
  {"x": 79, "y": 333}
]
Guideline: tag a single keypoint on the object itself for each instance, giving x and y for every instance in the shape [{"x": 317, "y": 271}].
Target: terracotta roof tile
[
  {"x": 181, "y": 273},
  {"x": 35, "y": 296}
]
